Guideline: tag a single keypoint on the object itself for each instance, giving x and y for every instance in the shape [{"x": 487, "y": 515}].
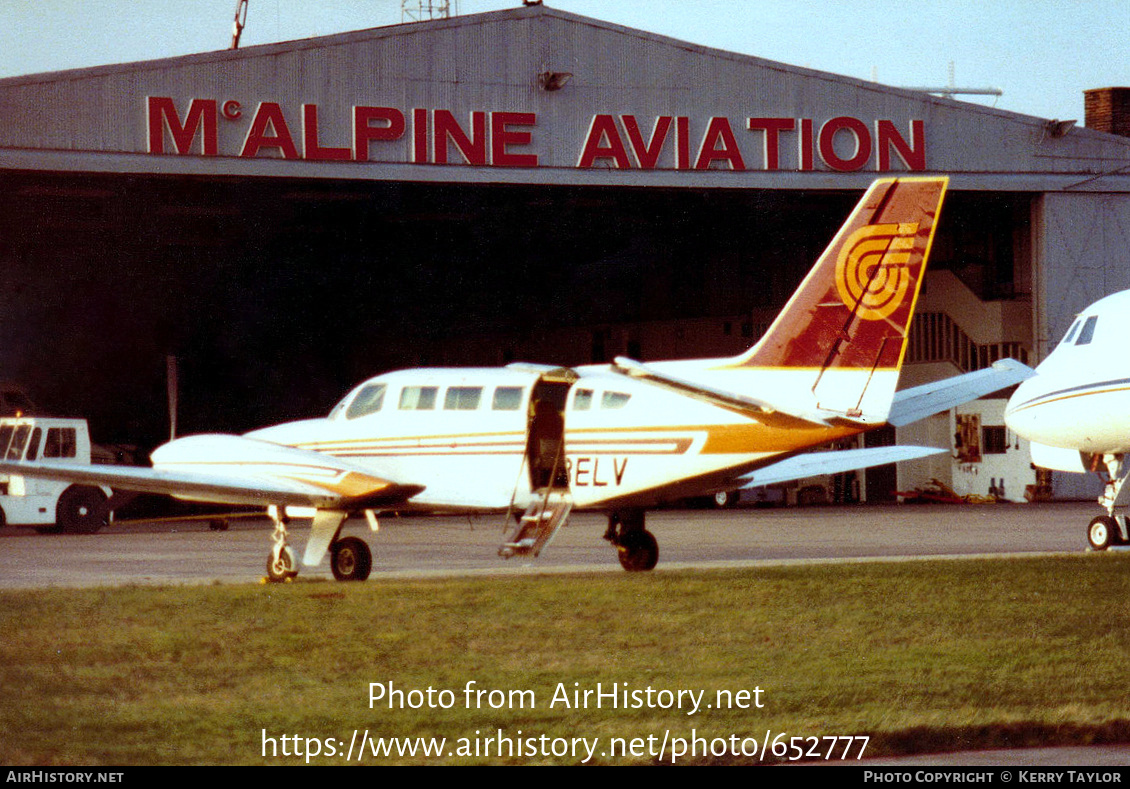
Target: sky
[{"x": 1041, "y": 53}]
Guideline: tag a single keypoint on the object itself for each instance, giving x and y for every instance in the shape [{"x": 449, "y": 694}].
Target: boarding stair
[{"x": 547, "y": 512}]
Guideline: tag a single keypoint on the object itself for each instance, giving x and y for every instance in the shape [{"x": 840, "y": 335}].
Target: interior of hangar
[{"x": 277, "y": 295}]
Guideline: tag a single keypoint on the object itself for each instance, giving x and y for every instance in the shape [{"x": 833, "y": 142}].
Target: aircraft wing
[
  {"x": 811, "y": 464},
  {"x": 331, "y": 486},
  {"x": 910, "y": 405}
]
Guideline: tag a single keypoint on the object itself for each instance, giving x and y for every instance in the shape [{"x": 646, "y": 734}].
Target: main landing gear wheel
[
  {"x": 636, "y": 547},
  {"x": 351, "y": 559},
  {"x": 638, "y": 551},
  {"x": 1102, "y": 533},
  {"x": 281, "y": 565},
  {"x": 724, "y": 499}
]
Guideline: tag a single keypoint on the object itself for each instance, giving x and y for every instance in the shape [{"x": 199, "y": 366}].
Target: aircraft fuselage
[{"x": 467, "y": 434}]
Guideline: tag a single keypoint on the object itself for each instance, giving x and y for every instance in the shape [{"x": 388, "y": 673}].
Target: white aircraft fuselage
[
  {"x": 1076, "y": 410},
  {"x": 627, "y": 442},
  {"x": 1079, "y": 399}
]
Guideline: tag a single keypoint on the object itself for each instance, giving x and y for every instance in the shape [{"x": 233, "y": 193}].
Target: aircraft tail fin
[
  {"x": 835, "y": 350},
  {"x": 854, "y": 307}
]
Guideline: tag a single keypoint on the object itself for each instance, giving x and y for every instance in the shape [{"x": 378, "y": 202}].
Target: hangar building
[{"x": 523, "y": 184}]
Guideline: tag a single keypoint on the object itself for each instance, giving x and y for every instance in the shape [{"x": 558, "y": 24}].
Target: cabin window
[
  {"x": 614, "y": 400},
  {"x": 418, "y": 398},
  {"x": 507, "y": 398},
  {"x": 462, "y": 398},
  {"x": 367, "y": 401},
  {"x": 60, "y": 443},
  {"x": 582, "y": 400}
]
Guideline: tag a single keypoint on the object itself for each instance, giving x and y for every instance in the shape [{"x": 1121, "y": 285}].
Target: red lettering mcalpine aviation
[{"x": 501, "y": 139}]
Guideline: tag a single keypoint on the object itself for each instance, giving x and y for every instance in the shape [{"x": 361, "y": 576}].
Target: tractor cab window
[
  {"x": 18, "y": 443},
  {"x": 60, "y": 443},
  {"x": 14, "y": 440},
  {"x": 33, "y": 445}
]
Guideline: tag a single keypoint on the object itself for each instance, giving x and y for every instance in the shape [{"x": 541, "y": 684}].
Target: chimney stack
[{"x": 1107, "y": 110}]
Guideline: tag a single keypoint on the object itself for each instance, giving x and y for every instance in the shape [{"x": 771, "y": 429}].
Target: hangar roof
[{"x": 528, "y": 95}]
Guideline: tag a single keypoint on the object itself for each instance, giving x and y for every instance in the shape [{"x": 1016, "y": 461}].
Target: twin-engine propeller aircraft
[
  {"x": 1076, "y": 411},
  {"x": 617, "y": 438}
]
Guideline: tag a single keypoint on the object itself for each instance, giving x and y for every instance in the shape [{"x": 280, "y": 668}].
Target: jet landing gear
[
  {"x": 635, "y": 545},
  {"x": 1110, "y": 529},
  {"x": 1102, "y": 532}
]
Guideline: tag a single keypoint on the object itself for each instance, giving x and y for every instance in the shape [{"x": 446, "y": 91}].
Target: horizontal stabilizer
[
  {"x": 812, "y": 464},
  {"x": 719, "y": 397},
  {"x": 910, "y": 405}
]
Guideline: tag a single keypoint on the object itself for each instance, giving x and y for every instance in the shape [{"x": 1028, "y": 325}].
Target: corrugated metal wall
[{"x": 491, "y": 62}]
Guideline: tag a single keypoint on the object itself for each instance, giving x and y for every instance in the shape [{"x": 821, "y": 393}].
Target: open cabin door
[
  {"x": 545, "y": 435},
  {"x": 545, "y": 457}
]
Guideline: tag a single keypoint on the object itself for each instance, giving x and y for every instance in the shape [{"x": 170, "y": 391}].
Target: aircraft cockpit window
[
  {"x": 368, "y": 400},
  {"x": 418, "y": 398},
  {"x": 582, "y": 400},
  {"x": 1087, "y": 333},
  {"x": 462, "y": 398},
  {"x": 1070, "y": 333},
  {"x": 614, "y": 400},
  {"x": 507, "y": 398}
]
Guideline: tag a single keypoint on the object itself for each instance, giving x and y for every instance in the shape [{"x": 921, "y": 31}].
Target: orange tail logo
[
  {"x": 872, "y": 275},
  {"x": 853, "y": 309}
]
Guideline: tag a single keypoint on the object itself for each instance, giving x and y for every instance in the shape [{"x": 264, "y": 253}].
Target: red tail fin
[{"x": 854, "y": 307}]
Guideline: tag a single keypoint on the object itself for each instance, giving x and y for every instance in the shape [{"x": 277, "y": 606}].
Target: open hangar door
[{"x": 277, "y": 295}]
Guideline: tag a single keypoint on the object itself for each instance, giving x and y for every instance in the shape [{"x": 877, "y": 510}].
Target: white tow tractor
[{"x": 49, "y": 506}]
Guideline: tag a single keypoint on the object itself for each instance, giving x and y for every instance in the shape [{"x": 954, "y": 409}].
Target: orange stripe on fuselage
[
  {"x": 736, "y": 438},
  {"x": 759, "y": 435}
]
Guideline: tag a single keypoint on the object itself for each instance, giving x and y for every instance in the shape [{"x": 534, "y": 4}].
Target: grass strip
[{"x": 918, "y": 656}]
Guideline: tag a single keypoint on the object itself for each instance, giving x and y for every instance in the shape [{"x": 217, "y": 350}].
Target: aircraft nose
[{"x": 1016, "y": 417}]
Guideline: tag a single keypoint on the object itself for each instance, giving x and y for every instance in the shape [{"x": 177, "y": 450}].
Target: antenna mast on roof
[
  {"x": 951, "y": 90},
  {"x": 239, "y": 23},
  {"x": 423, "y": 10}
]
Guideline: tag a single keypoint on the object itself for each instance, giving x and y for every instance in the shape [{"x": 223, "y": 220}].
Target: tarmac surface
[{"x": 188, "y": 551}]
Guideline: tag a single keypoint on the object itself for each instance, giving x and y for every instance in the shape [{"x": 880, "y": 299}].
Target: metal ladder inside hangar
[{"x": 538, "y": 525}]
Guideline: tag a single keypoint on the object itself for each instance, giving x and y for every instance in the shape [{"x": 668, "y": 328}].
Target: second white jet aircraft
[
  {"x": 1076, "y": 411},
  {"x": 538, "y": 441}
]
